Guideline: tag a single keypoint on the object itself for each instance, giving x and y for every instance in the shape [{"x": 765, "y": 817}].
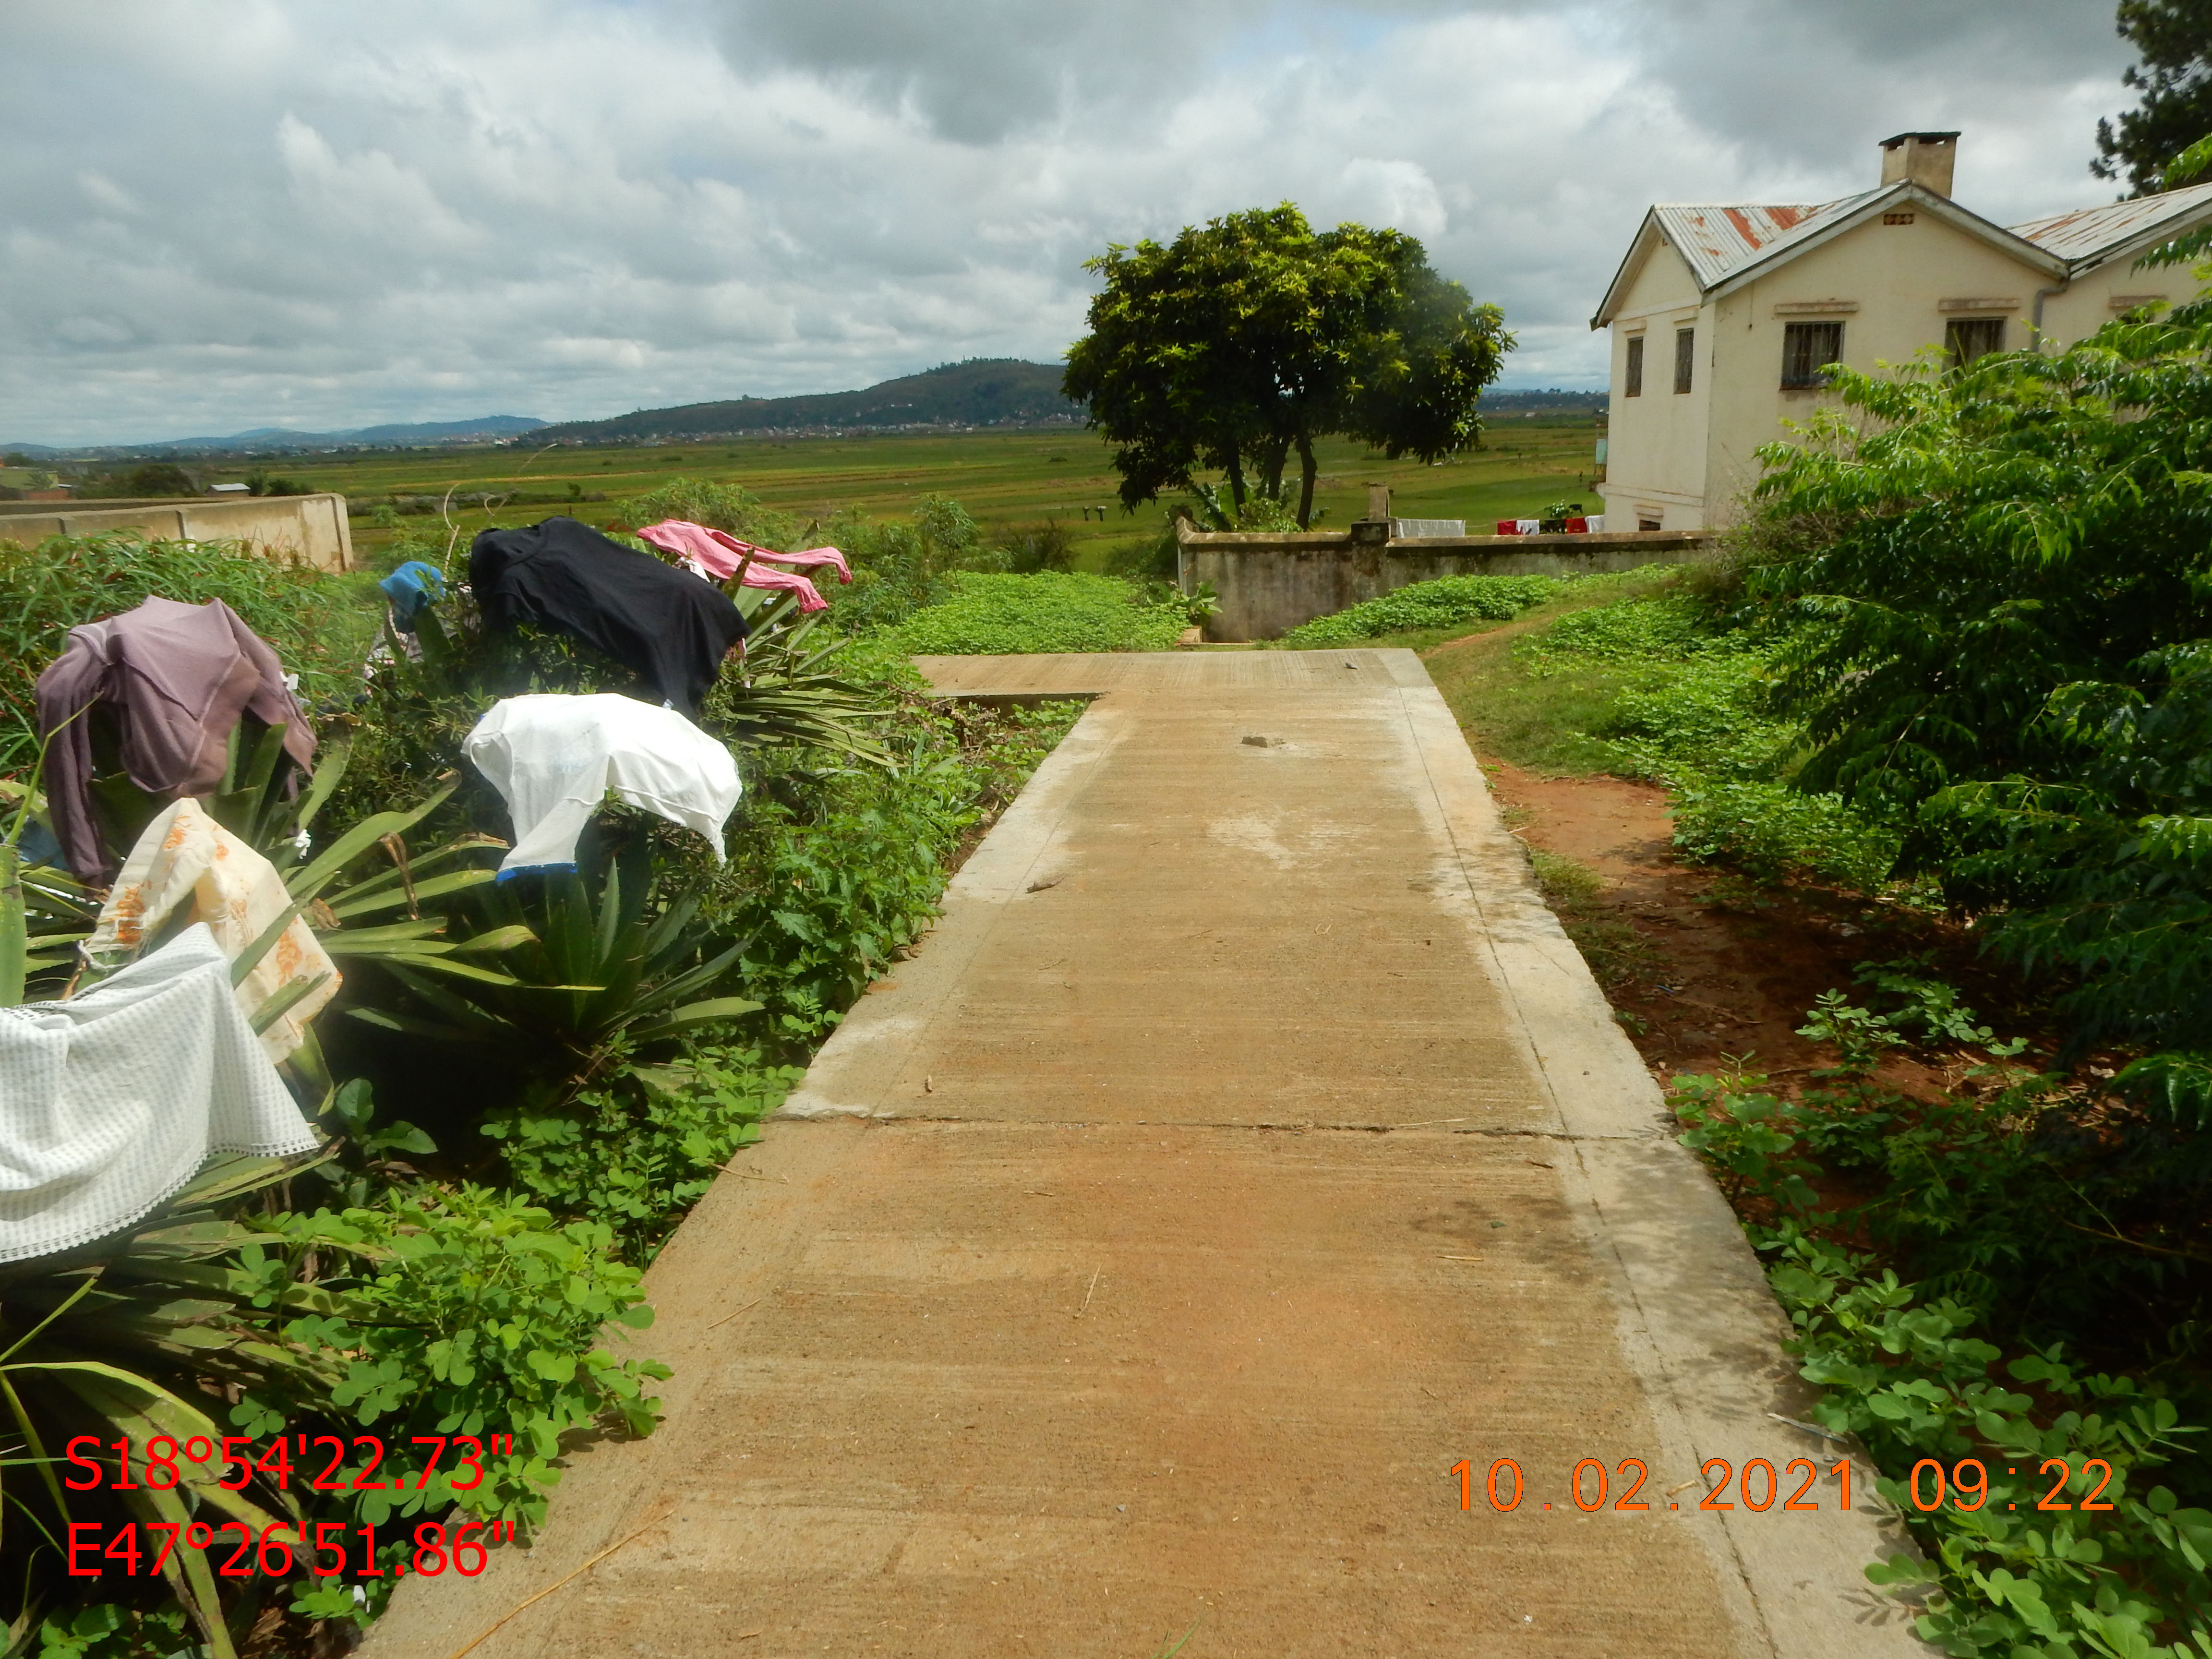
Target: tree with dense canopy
[
  {"x": 1243, "y": 341},
  {"x": 2175, "y": 40}
]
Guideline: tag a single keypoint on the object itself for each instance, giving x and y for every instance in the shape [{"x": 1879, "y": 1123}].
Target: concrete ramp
[{"x": 1246, "y": 1148}]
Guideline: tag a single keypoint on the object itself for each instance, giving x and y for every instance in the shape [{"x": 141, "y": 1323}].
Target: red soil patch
[{"x": 1735, "y": 966}]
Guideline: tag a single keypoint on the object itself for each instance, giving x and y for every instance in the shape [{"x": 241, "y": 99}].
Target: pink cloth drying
[
  {"x": 722, "y": 553},
  {"x": 703, "y": 552},
  {"x": 812, "y": 555},
  {"x": 788, "y": 582}
]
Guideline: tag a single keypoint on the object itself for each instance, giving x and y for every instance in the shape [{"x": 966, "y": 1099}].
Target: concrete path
[{"x": 1244, "y": 1149}]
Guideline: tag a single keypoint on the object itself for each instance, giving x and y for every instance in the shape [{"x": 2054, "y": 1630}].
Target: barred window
[
  {"x": 1968, "y": 338},
  {"x": 1635, "y": 388},
  {"x": 1808, "y": 349},
  {"x": 1686, "y": 354}
]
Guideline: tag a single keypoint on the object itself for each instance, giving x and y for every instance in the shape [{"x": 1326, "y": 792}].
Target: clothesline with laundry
[{"x": 115, "y": 1094}]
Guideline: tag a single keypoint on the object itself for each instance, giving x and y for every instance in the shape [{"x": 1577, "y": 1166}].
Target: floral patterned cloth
[{"x": 186, "y": 858}]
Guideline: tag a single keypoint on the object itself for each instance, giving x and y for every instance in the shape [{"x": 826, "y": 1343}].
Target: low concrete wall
[
  {"x": 1270, "y": 583},
  {"x": 311, "y": 527}
]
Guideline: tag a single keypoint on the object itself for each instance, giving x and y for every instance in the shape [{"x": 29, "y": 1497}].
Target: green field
[{"x": 1006, "y": 479}]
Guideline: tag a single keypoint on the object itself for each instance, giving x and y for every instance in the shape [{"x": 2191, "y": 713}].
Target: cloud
[{"x": 222, "y": 214}]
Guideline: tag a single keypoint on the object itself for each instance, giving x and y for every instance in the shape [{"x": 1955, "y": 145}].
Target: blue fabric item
[
  {"x": 39, "y": 846},
  {"x": 410, "y": 587},
  {"x": 531, "y": 870}
]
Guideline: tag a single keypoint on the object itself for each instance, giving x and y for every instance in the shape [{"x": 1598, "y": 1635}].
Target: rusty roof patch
[{"x": 2085, "y": 236}]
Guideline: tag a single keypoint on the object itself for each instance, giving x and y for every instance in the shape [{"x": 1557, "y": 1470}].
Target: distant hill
[
  {"x": 1553, "y": 401},
  {"x": 982, "y": 392},
  {"x": 411, "y": 432},
  {"x": 280, "y": 439}
]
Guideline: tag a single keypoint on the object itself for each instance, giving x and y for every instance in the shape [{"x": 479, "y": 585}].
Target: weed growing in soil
[
  {"x": 1995, "y": 1194},
  {"x": 1444, "y": 603},
  {"x": 989, "y": 614},
  {"x": 1616, "y": 952}
]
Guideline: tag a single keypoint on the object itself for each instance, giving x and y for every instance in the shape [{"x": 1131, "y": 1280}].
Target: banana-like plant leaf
[
  {"x": 14, "y": 933},
  {"x": 310, "y": 882},
  {"x": 694, "y": 1014},
  {"x": 349, "y": 904},
  {"x": 330, "y": 771},
  {"x": 497, "y": 938},
  {"x": 284, "y": 1001},
  {"x": 370, "y": 939}
]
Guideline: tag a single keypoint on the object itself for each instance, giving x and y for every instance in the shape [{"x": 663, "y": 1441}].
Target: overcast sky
[{"x": 224, "y": 214}]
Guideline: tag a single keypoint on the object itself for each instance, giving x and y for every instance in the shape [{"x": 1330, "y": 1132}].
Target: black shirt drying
[{"x": 668, "y": 625}]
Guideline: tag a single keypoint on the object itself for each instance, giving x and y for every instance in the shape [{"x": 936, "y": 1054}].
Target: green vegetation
[
  {"x": 1998, "y": 614},
  {"x": 1968, "y": 646},
  {"x": 1445, "y": 603},
  {"x": 1016, "y": 484},
  {"x": 989, "y": 614},
  {"x": 1962, "y": 657},
  {"x": 1241, "y": 343},
  {"x": 580, "y": 1055},
  {"x": 1967, "y": 1187},
  {"x": 1616, "y": 953},
  {"x": 2172, "y": 41},
  {"x": 153, "y": 478},
  {"x": 321, "y": 628}
]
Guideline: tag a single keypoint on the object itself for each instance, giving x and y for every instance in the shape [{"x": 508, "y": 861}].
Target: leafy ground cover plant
[
  {"x": 990, "y": 614},
  {"x": 1440, "y": 604},
  {"x": 415, "y": 1300},
  {"x": 1692, "y": 705},
  {"x": 2001, "y": 1193}
]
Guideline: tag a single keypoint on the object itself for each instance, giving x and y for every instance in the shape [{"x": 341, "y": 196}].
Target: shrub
[
  {"x": 1440, "y": 604},
  {"x": 828, "y": 880},
  {"x": 989, "y": 614},
  {"x": 1634, "y": 630},
  {"x": 730, "y": 507},
  {"x": 1699, "y": 718},
  {"x": 1771, "y": 830},
  {"x": 1912, "y": 1384},
  {"x": 637, "y": 1151},
  {"x": 2007, "y": 608}
]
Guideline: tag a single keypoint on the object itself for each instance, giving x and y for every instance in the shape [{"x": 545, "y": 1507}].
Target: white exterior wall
[
  {"x": 1694, "y": 457},
  {"x": 1891, "y": 283},
  {"x": 2088, "y": 303},
  {"x": 1655, "y": 443}
]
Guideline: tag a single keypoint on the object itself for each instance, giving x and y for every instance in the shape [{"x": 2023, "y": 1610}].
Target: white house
[{"x": 1723, "y": 316}]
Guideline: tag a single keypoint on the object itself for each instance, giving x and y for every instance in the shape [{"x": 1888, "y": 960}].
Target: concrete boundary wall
[
  {"x": 1269, "y": 583},
  {"x": 312, "y": 527}
]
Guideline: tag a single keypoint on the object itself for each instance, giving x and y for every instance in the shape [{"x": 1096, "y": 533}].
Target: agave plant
[
  {"x": 107, "y": 1351},
  {"x": 592, "y": 962},
  {"x": 780, "y": 692}
]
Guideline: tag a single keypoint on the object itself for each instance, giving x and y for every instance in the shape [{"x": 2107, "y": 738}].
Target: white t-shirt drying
[{"x": 555, "y": 758}]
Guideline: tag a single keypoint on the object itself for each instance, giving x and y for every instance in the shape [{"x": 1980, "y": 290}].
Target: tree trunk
[
  {"x": 1270, "y": 470},
  {"x": 1236, "y": 479},
  {"x": 1307, "y": 470}
]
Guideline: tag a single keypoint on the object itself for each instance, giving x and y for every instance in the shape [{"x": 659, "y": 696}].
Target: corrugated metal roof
[
  {"x": 2082, "y": 236},
  {"x": 1720, "y": 239}
]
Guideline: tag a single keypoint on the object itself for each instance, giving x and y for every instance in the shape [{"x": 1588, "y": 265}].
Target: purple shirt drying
[{"x": 176, "y": 678}]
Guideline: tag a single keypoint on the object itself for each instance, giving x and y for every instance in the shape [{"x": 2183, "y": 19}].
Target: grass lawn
[
  {"x": 1538, "y": 722},
  {"x": 1006, "y": 479}
]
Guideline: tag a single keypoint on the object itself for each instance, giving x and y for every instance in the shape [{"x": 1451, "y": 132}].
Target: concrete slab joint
[{"x": 1246, "y": 1148}]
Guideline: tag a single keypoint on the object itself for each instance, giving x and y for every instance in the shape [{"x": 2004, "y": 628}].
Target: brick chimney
[{"x": 1926, "y": 158}]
